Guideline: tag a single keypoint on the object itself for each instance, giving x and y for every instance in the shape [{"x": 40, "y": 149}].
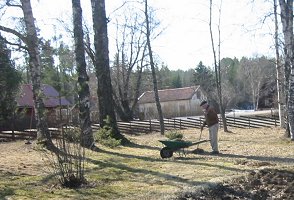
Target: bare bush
[{"x": 69, "y": 162}]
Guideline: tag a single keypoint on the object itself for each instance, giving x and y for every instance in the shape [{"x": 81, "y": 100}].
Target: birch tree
[
  {"x": 256, "y": 73},
  {"x": 31, "y": 41},
  {"x": 35, "y": 70},
  {"x": 287, "y": 24},
  {"x": 279, "y": 72},
  {"x": 150, "y": 53},
  {"x": 217, "y": 67},
  {"x": 87, "y": 139}
]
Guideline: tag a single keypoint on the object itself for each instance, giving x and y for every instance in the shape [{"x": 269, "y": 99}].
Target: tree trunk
[
  {"x": 279, "y": 73},
  {"x": 127, "y": 57},
  {"x": 87, "y": 139},
  {"x": 104, "y": 91},
  {"x": 287, "y": 23},
  {"x": 139, "y": 78},
  {"x": 217, "y": 73},
  {"x": 35, "y": 71},
  {"x": 160, "y": 115},
  {"x": 122, "y": 102},
  {"x": 291, "y": 104}
]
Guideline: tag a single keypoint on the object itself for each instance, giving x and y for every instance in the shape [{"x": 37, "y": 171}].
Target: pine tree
[{"x": 10, "y": 79}]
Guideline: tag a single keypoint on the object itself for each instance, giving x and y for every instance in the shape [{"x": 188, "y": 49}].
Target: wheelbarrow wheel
[{"x": 166, "y": 152}]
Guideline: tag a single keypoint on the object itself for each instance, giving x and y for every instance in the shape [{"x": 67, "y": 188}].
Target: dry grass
[{"x": 138, "y": 172}]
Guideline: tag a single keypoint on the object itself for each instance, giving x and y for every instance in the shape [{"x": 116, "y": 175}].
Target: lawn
[{"x": 138, "y": 172}]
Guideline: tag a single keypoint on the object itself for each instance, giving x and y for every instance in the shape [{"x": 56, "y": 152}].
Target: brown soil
[{"x": 262, "y": 184}]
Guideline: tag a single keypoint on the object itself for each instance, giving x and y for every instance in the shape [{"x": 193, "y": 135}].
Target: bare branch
[
  {"x": 14, "y": 32},
  {"x": 117, "y": 9},
  {"x": 8, "y": 3},
  {"x": 15, "y": 44}
]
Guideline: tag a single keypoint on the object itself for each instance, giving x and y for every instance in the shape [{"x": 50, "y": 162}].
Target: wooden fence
[
  {"x": 28, "y": 134},
  {"x": 147, "y": 126},
  {"x": 135, "y": 127}
]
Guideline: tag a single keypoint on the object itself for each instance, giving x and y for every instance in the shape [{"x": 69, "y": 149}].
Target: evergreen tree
[
  {"x": 164, "y": 77},
  {"x": 176, "y": 81},
  {"x": 49, "y": 72},
  {"x": 10, "y": 79},
  {"x": 203, "y": 76},
  {"x": 68, "y": 75}
]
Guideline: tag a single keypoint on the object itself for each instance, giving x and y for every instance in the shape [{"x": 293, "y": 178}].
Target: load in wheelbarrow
[{"x": 176, "y": 145}]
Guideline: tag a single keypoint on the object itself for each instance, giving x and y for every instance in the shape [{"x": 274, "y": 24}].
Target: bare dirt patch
[{"x": 262, "y": 184}]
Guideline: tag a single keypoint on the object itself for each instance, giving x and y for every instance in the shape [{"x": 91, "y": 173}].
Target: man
[{"x": 211, "y": 120}]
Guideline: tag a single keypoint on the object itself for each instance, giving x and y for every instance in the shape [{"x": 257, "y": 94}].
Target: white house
[{"x": 176, "y": 102}]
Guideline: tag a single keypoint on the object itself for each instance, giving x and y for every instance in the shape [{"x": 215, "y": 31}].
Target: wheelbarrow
[{"x": 172, "y": 146}]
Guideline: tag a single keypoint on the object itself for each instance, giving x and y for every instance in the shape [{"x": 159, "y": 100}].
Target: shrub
[
  {"x": 105, "y": 135},
  {"x": 69, "y": 162},
  {"x": 174, "y": 135}
]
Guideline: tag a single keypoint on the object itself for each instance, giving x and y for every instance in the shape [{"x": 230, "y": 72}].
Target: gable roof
[
  {"x": 169, "y": 94},
  {"x": 51, "y": 97}
]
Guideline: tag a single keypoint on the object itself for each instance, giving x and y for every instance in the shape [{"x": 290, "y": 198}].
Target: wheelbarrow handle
[{"x": 199, "y": 142}]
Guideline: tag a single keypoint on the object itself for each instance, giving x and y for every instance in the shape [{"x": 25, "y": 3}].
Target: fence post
[
  {"x": 220, "y": 122},
  {"x": 174, "y": 123},
  {"x": 180, "y": 123},
  {"x": 249, "y": 122},
  {"x": 150, "y": 125},
  {"x": 234, "y": 118}
]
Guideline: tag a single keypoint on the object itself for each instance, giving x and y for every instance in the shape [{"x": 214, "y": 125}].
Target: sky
[{"x": 185, "y": 40}]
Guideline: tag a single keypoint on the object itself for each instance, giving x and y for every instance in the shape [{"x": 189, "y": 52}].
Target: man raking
[{"x": 211, "y": 120}]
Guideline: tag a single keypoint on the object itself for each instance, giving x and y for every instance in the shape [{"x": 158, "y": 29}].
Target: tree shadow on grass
[
  {"x": 171, "y": 160},
  {"x": 166, "y": 176},
  {"x": 139, "y": 146},
  {"x": 273, "y": 159},
  {"x": 259, "y": 158},
  {"x": 175, "y": 159},
  {"x": 7, "y": 191}
]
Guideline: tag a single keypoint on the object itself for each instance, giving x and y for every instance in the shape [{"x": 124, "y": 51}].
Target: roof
[
  {"x": 169, "y": 94},
  {"x": 51, "y": 97}
]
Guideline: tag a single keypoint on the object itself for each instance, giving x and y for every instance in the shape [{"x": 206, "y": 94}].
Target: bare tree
[
  {"x": 256, "y": 73},
  {"x": 87, "y": 139},
  {"x": 104, "y": 91},
  {"x": 287, "y": 24},
  {"x": 217, "y": 68},
  {"x": 279, "y": 72},
  {"x": 31, "y": 41},
  {"x": 157, "y": 101},
  {"x": 130, "y": 45}
]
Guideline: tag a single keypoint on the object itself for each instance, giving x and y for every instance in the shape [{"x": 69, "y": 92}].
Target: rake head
[{"x": 198, "y": 151}]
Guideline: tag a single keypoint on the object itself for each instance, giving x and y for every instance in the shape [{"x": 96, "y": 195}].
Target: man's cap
[{"x": 203, "y": 102}]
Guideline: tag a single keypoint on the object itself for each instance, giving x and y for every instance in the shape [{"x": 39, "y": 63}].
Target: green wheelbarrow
[{"x": 176, "y": 145}]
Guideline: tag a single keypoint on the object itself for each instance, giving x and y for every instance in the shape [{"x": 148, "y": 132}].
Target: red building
[{"x": 54, "y": 104}]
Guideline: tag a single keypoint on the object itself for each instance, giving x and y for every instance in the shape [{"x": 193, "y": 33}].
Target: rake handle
[{"x": 199, "y": 138}]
